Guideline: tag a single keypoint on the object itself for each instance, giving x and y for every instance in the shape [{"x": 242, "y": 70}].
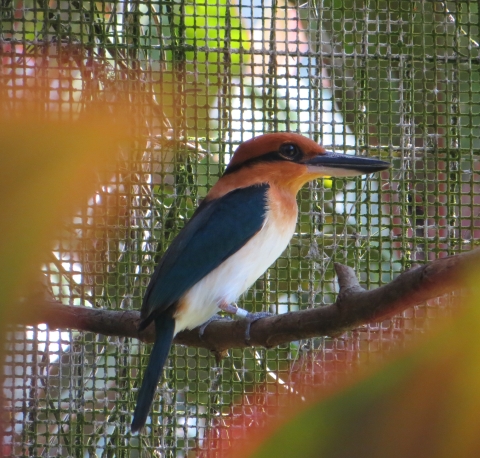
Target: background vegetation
[{"x": 396, "y": 80}]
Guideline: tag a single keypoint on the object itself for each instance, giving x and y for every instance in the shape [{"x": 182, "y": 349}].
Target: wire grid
[{"x": 398, "y": 80}]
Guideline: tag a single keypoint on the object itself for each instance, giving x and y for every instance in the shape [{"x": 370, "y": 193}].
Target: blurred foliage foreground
[{"x": 423, "y": 404}]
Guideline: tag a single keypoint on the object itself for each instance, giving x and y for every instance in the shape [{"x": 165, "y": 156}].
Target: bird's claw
[
  {"x": 241, "y": 313},
  {"x": 251, "y": 318},
  {"x": 201, "y": 331}
]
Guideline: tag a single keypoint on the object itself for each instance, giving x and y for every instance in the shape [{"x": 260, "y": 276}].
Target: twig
[{"x": 354, "y": 307}]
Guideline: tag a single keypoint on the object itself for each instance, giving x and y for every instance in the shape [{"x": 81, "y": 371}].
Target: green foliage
[{"x": 212, "y": 28}]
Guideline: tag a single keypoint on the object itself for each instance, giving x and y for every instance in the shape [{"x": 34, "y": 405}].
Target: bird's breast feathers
[{"x": 238, "y": 272}]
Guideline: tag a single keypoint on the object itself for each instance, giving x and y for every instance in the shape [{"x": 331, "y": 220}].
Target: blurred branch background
[{"x": 396, "y": 80}]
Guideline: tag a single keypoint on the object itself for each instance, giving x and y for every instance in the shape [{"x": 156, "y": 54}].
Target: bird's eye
[{"x": 289, "y": 151}]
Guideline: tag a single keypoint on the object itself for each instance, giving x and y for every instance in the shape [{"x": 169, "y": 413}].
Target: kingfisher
[{"x": 241, "y": 227}]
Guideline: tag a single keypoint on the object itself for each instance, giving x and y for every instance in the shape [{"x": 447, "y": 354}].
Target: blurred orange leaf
[{"x": 48, "y": 168}]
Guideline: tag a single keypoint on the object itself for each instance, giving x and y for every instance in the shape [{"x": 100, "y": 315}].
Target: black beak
[{"x": 343, "y": 165}]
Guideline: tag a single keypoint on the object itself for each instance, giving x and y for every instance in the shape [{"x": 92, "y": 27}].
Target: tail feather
[{"x": 164, "y": 329}]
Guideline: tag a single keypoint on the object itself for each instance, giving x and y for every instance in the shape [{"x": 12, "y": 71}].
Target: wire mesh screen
[{"x": 398, "y": 80}]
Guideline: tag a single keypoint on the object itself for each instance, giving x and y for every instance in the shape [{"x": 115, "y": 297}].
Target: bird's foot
[
  {"x": 251, "y": 318},
  {"x": 201, "y": 331}
]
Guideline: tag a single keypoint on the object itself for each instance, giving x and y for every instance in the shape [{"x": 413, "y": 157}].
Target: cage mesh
[{"x": 398, "y": 80}]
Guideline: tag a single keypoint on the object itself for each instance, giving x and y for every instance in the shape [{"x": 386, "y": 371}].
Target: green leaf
[{"x": 212, "y": 25}]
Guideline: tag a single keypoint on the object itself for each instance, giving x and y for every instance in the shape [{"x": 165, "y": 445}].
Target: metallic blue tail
[{"x": 164, "y": 329}]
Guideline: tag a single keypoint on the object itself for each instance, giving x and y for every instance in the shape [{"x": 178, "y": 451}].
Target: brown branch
[{"x": 354, "y": 307}]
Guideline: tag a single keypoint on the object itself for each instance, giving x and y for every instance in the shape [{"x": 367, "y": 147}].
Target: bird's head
[{"x": 291, "y": 160}]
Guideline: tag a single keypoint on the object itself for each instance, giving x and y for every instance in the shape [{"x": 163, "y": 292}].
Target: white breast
[{"x": 236, "y": 274}]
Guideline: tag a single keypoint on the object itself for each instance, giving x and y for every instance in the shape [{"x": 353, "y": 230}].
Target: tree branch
[{"x": 354, "y": 307}]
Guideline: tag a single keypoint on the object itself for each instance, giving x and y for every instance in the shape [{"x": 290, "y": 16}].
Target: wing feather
[{"x": 217, "y": 230}]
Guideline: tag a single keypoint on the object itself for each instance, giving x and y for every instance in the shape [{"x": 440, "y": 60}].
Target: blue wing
[{"x": 218, "y": 229}]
